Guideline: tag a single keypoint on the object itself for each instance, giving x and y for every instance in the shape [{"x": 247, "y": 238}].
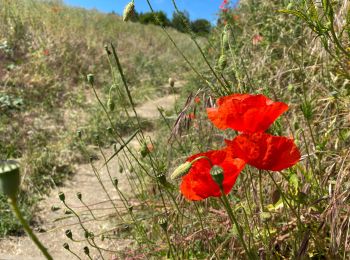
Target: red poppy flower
[
  {"x": 197, "y": 100},
  {"x": 264, "y": 151},
  {"x": 198, "y": 183},
  {"x": 246, "y": 113}
]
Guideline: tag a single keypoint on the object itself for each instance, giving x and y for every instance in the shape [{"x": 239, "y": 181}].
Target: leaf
[
  {"x": 296, "y": 13},
  {"x": 294, "y": 182}
]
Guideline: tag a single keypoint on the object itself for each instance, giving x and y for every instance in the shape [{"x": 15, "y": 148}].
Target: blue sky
[{"x": 197, "y": 8}]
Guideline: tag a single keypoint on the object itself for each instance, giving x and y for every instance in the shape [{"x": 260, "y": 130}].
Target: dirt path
[{"x": 84, "y": 181}]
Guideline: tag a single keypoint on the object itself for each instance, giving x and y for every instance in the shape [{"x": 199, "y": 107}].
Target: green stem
[
  {"x": 202, "y": 226},
  {"x": 234, "y": 221},
  {"x": 33, "y": 237},
  {"x": 169, "y": 244}
]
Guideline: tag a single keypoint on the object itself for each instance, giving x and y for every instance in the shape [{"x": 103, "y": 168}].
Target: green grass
[{"x": 46, "y": 51}]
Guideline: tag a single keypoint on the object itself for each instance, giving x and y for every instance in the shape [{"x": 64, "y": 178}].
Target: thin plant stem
[
  {"x": 92, "y": 243},
  {"x": 33, "y": 237},
  {"x": 202, "y": 226},
  {"x": 234, "y": 221},
  {"x": 181, "y": 53}
]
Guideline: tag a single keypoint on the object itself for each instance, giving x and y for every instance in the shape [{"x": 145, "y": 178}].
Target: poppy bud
[
  {"x": 115, "y": 182},
  {"x": 163, "y": 223},
  {"x": 161, "y": 178},
  {"x": 90, "y": 78},
  {"x": 110, "y": 104},
  {"x": 61, "y": 196},
  {"x": 69, "y": 234},
  {"x": 87, "y": 234},
  {"x": 222, "y": 62},
  {"x": 121, "y": 169},
  {"x": 182, "y": 170},
  {"x": 144, "y": 150},
  {"x": 130, "y": 208},
  {"x": 86, "y": 250},
  {"x": 225, "y": 38},
  {"x": 107, "y": 50},
  {"x": 79, "y": 134},
  {"x": 217, "y": 173},
  {"x": 79, "y": 196},
  {"x": 110, "y": 130},
  {"x": 171, "y": 82},
  {"x": 128, "y": 11},
  {"x": 67, "y": 212},
  {"x": 55, "y": 208},
  {"x": 9, "y": 178},
  {"x": 66, "y": 246}
]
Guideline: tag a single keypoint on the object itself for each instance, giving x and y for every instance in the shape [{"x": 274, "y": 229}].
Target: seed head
[
  {"x": 217, "y": 173},
  {"x": 163, "y": 223},
  {"x": 79, "y": 196},
  {"x": 66, "y": 246},
  {"x": 90, "y": 79},
  {"x": 86, "y": 250},
  {"x": 61, "y": 196},
  {"x": 9, "y": 178},
  {"x": 69, "y": 234}
]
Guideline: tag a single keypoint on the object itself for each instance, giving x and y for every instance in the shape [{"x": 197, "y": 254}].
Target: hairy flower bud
[
  {"x": 111, "y": 104},
  {"x": 222, "y": 62},
  {"x": 79, "y": 196},
  {"x": 182, "y": 170},
  {"x": 225, "y": 38},
  {"x": 128, "y": 11}
]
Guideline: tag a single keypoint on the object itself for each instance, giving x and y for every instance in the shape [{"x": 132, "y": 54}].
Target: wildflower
[
  {"x": 197, "y": 100},
  {"x": 245, "y": 112},
  {"x": 198, "y": 183},
  {"x": 264, "y": 151},
  {"x": 224, "y": 5},
  {"x": 46, "y": 52},
  {"x": 257, "y": 38}
]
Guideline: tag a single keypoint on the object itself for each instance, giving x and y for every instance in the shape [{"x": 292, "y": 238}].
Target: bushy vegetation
[
  {"x": 294, "y": 52},
  {"x": 179, "y": 21}
]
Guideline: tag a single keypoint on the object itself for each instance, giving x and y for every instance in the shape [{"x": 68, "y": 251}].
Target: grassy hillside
[{"x": 46, "y": 51}]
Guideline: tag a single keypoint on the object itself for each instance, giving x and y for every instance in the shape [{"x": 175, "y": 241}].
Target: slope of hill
[{"x": 46, "y": 51}]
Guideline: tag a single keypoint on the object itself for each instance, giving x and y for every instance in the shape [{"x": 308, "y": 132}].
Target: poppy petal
[
  {"x": 264, "y": 151},
  {"x": 246, "y": 113},
  {"x": 198, "y": 183}
]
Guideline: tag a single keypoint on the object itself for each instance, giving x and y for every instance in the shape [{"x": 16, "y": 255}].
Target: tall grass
[{"x": 46, "y": 49}]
